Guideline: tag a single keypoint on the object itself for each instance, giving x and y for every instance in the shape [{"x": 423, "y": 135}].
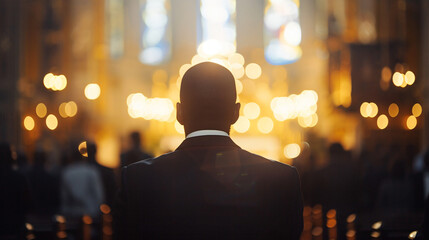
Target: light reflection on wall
[
  {"x": 282, "y": 31},
  {"x": 217, "y": 34},
  {"x": 156, "y": 37}
]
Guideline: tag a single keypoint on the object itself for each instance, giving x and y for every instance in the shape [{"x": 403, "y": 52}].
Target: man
[
  {"x": 209, "y": 188},
  {"x": 135, "y": 153},
  {"x": 81, "y": 189}
]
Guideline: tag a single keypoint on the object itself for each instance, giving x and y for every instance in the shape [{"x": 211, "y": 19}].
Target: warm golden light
[
  {"x": 412, "y": 235},
  {"x": 92, "y": 91},
  {"x": 308, "y": 121},
  {"x": 253, "y": 71},
  {"x": 386, "y": 74},
  {"x": 54, "y": 82},
  {"x": 83, "y": 149},
  {"x": 139, "y": 106},
  {"x": 29, "y": 123},
  {"x": 41, "y": 110},
  {"x": 179, "y": 127},
  {"x": 411, "y": 122},
  {"x": 265, "y": 125},
  {"x": 239, "y": 86},
  {"x": 51, "y": 122},
  {"x": 377, "y": 225},
  {"x": 197, "y": 59},
  {"x": 363, "y": 109},
  {"x": 372, "y": 110},
  {"x": 237, "y": 70},
  {"x": 48, "y": 80},
  {"x": 70, "y": 109},
  {"x": 60, "y": 83},
  {"x": 393, "y": 110},
  {"x": 382, "y": 121},
  {"x": 417, "y": 110},
  {"x": 292, "y": 150},
  {"x": 236, "y": 58},
  {"x": 351, "y": 218},
  {"x": 62, "y": 110},
  {"x": 375, "y": 234},
  {"x": 242, "y": 125},
  {"x": 410, "y": 77},
  {"x": 398, "y": 79},
  {"x": 251, "y": 110},
  {"x": 184, "y": 68},
  {"x": 302, "y": 105}
]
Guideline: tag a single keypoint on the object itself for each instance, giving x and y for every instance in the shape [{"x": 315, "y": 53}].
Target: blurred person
[
  {"x": 107, "y": 175},
  {"x": 81, "y": 188},
  {"x": 336, "y": 185},
  {"x": 135, "y": 153},
  {"x": 14, "y": 200},
  {"x": 209, "y": 188},
  {"x": 44, "y": 187},
  {"x": 396, "y": 191}
]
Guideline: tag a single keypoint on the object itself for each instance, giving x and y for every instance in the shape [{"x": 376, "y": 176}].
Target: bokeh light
[
  {"x": 393, "y": 110},
  {"x": 29, "y": 123},
  {"x": 251, "y": 110},
  {"x": 417, "y": 110},
  {"x": 386, "y": 74},
  {"x": 140, "y": 106},
  {"x": 368, "y": 109},
  {"x": 51, "y": 122},
  {"x": 55, "y": 82},
  {"x": 62, "y": 110},
  {"x": 237, "y": 70},
  {"x": 253, "y": 71},
  {"x": 179, "y": 127},
  {"x": 41, "y": 110},
  {"x": 411, "y": 122},
  {"x": 292, "y": 150},
  {"x": 308, "y": 121},
  {"x": 70, "y": 109},
  {"x": 83, "y": 149},
  {"x": 302, "y": 105},
  {"x": 398, "y": 79},
  {"x": 242, "y": 125},
  {"x": 410, "y": 77},
  {"x": 265, "y": 125},
  {"x": 92, "y": 91},
  {"x": 382, "y": 121},
  {"x": 236, "y": 58}
]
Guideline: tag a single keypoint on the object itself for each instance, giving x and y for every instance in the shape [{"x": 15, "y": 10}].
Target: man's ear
[
  {"x": 179, "y": 113},
  {"x": 236, "y": 113}
]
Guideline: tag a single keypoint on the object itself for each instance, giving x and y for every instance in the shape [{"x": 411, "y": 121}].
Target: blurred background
[{"x": 337, "y": 88}]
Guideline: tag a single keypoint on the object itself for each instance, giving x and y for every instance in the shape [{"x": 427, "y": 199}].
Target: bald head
[{"x": 207, "y": 98}]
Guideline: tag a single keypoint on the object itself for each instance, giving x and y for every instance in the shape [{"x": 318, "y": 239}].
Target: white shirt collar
[{"x": 207, "y": 132}]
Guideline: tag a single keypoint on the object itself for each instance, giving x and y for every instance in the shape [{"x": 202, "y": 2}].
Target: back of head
[
  {"x": 39, "y": 157},
  {"x": 207, "y": 97},
  {"x": 91, "y": 149},
  {"x": 135, "y": 139}
]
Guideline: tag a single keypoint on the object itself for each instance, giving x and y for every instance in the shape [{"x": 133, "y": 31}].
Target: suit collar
[{"x": 207, "y": 141}]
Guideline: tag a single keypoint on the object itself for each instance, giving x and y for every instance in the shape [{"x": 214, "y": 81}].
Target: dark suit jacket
[{"x": 209, "y": 188}]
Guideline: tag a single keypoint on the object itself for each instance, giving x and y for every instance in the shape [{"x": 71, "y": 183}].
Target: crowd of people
[
  {"x": 37, "y": 191},
  {"x": 387, "y": 181}
]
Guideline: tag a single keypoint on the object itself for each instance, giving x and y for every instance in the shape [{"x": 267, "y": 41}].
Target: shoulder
[{"x": 272, "y": 165}]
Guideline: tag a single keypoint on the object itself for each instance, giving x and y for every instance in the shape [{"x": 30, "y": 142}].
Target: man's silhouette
[{"x": 209, "y": 188}]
